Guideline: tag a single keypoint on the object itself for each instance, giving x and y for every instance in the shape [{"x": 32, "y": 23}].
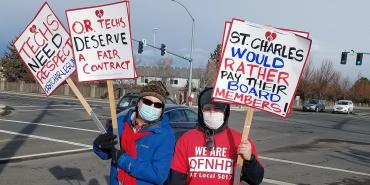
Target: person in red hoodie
[{"x": 207, "y": 155}]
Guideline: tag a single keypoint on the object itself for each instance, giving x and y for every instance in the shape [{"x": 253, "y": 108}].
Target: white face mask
[
  {"x": 213, "y": 120},
  {"x": 149, "y": 113}
]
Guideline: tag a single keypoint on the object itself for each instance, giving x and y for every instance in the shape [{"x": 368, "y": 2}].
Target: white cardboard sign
[
  {"x": 45, "y": 48},
  {"x": 101, "y": 40},
  {"x": 260, "y": 66}
]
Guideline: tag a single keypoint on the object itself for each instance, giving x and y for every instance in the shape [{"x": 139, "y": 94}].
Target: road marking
[
  {"x": 315, "y": 166},
  {"x": 48, "y": 110},
  {"x": 270, "y": 181},
  {"x": 23, "y": 157},
  {"x": 46, "y": 138},
  {"x": 7, "y": 140},
  {"x": 48, "y": 125}
]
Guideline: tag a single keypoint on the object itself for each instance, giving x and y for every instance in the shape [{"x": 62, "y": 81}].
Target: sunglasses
[{"x": 150, "y": 102}]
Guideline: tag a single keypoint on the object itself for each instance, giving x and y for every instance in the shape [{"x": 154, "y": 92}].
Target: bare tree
[
  {"x": 323, "y": 77},
  {"x": 334, "y": 89},
  {"x": 165, "y": 66},
  {"x": 305, "y": 83},
  {"x": 345, "y": 86}
]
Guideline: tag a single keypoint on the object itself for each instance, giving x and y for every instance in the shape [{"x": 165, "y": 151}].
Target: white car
[{"x": 343, "y": 106}]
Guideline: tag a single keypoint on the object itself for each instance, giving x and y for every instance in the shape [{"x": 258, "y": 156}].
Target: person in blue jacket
[{"x": 146, "y": 141}]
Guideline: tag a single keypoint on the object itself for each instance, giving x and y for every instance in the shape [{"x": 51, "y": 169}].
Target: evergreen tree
[
  {"x": 12, "y": 66},
  {"x": 212, "y": 65}
]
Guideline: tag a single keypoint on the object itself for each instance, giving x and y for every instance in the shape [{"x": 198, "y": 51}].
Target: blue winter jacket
[{"x": 154, "y": 154}]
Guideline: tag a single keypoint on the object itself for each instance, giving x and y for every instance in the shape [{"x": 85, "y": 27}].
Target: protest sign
[
  {"x": 260, "y": 67},
  {"x": 102, "y": 46},
  {"x": 270, "y": 36},
  {"x": 45, "y": 48},
  {"x": 101, "y": 40},
  {"x": 224, "y": 38}
]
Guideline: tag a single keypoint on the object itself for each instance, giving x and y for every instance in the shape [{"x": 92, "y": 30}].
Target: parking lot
[{"x": 48, "y": 141}]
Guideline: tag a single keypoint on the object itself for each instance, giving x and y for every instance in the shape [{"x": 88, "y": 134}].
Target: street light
[
  {"x": 154, "y": 30},
  {"x": 191, "y": 50}
]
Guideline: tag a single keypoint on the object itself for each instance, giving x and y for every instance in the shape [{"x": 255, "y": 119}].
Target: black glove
[{"x": 106, "y": 142}]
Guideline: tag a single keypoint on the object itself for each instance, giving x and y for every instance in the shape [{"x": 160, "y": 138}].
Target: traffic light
[
  {"x": 343, "y": 59},
  {"x": 163, "y": 49},
  {"x": 359, "y": 59},
  {"x": 141, "y": 47}
]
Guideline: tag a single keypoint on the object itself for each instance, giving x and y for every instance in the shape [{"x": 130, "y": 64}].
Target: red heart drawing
[
  {"x": 99, "y": 13},
  {"x": 270, "y": 36},
  {"x": 33, "y": 29}
]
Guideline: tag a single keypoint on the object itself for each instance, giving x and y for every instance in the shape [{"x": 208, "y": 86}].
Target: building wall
[
  {"x": 174, "y": 82},
  {"x": 142, "y": 80},
  {"x": 183, "y": 81}
]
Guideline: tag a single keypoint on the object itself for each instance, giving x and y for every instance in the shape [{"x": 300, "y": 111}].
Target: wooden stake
[
  {"x": 79, "y": 96},
  {"x": 245, "y": 134},
  {"x": 112, "y": 103},
  {"x": 85, "y": 105}
]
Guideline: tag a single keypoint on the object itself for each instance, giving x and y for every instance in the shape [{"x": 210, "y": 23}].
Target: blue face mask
[{"x": 149, "y": 113}]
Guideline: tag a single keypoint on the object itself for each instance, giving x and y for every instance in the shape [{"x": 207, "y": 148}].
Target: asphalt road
[{"x": 48, "y": 141}]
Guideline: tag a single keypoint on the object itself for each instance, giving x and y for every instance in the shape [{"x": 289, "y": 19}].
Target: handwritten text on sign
[
  {"x": 261, "y": 67},
  {"x": 46, "y": 49},
  {"x": 102, "y": 42}
]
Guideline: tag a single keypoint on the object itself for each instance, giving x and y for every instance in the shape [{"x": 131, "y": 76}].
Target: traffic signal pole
[
  {"x": 169, "y": 52},
  {"x": 359, "y": 57}
]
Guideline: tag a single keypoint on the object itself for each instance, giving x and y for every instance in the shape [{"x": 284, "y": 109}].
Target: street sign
[{"x": 144, "y": 42}]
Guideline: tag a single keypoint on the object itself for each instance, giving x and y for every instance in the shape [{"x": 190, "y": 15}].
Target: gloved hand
[{"x": 106, "y": 142}]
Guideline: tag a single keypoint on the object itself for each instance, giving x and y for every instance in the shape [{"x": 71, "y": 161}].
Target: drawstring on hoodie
[{"x": 210, "y": 142}]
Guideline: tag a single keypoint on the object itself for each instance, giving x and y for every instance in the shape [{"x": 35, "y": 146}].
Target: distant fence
[
  {"x": 100, "y": 92},
  {"x": 87, "y": 90}
]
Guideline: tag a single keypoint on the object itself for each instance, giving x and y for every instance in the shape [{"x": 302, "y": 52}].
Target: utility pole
[{"x": 191, "y": 53}]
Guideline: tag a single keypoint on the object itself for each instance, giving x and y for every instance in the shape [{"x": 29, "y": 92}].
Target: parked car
[
  {"x": 129, "y": 100},
  {"x": 314, "y": 105},
  {"x": 182, "y": 118},
  {"x": 343, "y": 106}
]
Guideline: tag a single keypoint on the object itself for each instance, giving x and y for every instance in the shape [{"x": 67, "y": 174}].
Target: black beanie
[{"x": 206, "y": 98}]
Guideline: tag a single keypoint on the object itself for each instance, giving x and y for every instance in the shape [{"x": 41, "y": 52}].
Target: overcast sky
[{"x": 334, "y": 26}]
